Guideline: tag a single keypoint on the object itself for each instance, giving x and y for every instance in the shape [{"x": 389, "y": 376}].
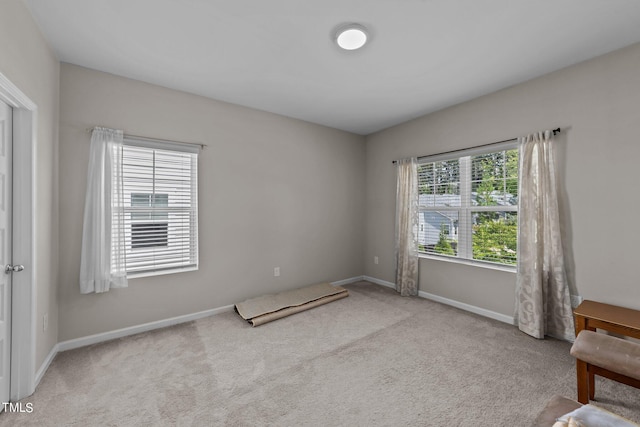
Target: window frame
[
  {"x": 154, "y": 144},
  {"x": 466, "y": 209}
]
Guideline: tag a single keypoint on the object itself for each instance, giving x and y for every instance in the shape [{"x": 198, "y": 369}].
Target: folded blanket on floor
[
  {"x": 593, "y": 416},
  {"x": 267, "y": 308}
]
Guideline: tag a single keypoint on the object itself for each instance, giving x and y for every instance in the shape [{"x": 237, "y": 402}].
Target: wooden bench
[{"x": 605, "y": 355}]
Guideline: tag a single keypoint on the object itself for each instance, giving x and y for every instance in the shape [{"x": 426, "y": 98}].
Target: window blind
[{"x": 160, "y": 206}]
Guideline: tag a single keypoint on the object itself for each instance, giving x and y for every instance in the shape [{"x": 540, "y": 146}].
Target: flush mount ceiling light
[{"x": 351, "y": 36}]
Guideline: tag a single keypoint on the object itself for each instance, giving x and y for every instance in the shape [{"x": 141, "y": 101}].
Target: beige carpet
[{"x": 374, "y": 358}]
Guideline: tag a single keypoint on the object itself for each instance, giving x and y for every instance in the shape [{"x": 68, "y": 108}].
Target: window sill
[
  {"x": 487, "y": 265},
  {"x": 161, "y": 272}
]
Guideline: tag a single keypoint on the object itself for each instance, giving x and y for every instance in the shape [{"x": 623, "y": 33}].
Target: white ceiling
[{"x": 278, "y": 55}]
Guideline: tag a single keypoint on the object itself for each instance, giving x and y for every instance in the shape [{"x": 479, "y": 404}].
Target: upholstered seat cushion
[{"x": 611, "y": 353}]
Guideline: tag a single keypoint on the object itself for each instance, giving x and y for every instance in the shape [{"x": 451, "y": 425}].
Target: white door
[{"x": 5, "y": 249}]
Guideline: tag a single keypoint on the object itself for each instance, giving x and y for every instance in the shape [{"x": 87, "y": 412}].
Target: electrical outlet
[
  {"x": 45, "y": 322},
  {"x": 276, "y": 271},
  {"x": 576, "y": 300},
  {"x": 375, "y": 259}
]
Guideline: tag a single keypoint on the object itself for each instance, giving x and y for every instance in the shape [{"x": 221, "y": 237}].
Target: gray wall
[
  {"x": 597, "y": 103},
  {"x": 273, "y": 191},
  {"x": 28, "y": 62}
]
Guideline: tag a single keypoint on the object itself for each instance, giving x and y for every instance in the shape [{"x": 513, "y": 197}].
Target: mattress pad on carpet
[{"x": 267, "y": 308}]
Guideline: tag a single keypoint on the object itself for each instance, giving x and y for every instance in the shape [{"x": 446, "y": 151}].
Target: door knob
[{"x": 13, "y": 268}]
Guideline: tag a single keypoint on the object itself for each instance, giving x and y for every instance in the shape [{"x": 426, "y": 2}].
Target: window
[
  {"x": 160, "y": 206},
  {"x": 468, "y": 205}
]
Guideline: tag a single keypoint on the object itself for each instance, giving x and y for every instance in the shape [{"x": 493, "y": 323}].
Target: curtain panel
[
  {"x": 102, "y": 264},
  {"x": 543, "y": 303},
  {"x": 407, "y": 227}
]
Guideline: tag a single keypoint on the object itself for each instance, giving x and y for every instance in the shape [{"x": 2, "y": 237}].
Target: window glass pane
[
  {"x": 439, "y": 184},
  {"x": 438, "y": 232},
  {"x": 153, "y": 204},
  {"x": 495, "y": 236},
  {"x": 494, "y": 179}
]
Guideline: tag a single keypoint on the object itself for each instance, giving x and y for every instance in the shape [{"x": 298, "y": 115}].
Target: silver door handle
[{"x": 13, "y": 268}]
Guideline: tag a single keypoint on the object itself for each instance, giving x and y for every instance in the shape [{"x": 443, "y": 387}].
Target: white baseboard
[
  {"x": 380, "y": 282},
  {"x": 457, "y": 304},
  {"x": 119, "y": 333},
  {"x": 45, "y": 365},
  {"x": 347, "y": 281},
  {"x": 468, "y": 307}
]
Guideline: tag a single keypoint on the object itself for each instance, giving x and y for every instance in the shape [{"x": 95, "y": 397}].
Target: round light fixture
[{"x": 351, "y": 37}]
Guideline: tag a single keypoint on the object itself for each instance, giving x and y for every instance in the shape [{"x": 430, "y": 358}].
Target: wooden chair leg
[
  {"x": 592, "y": 384},
  {"x": 582, "y": 375}
]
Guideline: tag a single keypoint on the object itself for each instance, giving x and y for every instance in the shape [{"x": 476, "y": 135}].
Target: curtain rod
[
  {"x": 558, "y": 130},
  {"x": 126, "y": 135}
]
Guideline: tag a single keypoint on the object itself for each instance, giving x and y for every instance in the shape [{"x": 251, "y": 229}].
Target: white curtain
[
  {"x": 543, "y": 303},
  {"x": 102, "y": 264},
  {"x": 407, "y": 227}
]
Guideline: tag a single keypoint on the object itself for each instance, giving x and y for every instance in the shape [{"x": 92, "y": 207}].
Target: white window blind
[
  {"x": 468, "y": 205},
  {"x": 160, "y": 206}
]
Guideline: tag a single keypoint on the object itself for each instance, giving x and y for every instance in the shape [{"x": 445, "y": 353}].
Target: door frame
[{"x": 23, "y": 295}]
